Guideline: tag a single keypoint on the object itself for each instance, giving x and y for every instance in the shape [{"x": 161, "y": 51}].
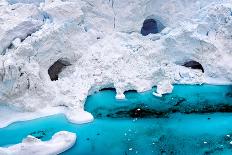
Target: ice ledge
[
  {"x": 79, "y": 117},
  {"x": 76, "y": 116},
  {"x": 59, "y": 143}
]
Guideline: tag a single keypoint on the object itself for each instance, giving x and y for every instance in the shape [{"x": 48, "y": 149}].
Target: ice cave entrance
[
  {"x": 57, "y": 68},
  {"x": 194, "y": 65},
  {"x": 151, "y": 26}
]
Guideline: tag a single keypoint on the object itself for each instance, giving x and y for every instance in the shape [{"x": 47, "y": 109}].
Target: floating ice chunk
[
  {"x": 157, "y": 94},
  {"x": 59, "y": 143},
  {"x": 79, "y": 117}
]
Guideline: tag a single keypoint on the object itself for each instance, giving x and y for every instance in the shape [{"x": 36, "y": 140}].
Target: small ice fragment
[
  {"x": 231, "y": 142},
  {"x": 130, "y": 149},
  {"x": 157, "y": 94},
  {"x": 205, "y": 142},
  {"x": 228, "y": 135},
  {"x": 135, "y": 119}
]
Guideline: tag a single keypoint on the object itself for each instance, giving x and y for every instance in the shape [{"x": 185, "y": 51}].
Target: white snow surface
[
  {"x": 59, "y": 143},
  {"x": 101, "y": 40}
]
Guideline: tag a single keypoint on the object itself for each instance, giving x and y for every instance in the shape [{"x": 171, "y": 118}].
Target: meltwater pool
[{"x": 192, "y": 120}]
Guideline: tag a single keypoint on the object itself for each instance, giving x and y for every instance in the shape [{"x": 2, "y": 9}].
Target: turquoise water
[
  {"x": 184, "y": 99},
  {"x": 162, "y": 130}
]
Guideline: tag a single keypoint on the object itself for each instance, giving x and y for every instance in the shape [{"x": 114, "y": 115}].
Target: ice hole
[
  {"x": 57, "y": 68},
  {"x": 151, "y": 26}
]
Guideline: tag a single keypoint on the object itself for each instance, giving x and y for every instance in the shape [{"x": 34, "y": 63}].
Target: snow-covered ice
[
  {"x": 102, "y": 42},
  {"x": 59, "y": 143}
]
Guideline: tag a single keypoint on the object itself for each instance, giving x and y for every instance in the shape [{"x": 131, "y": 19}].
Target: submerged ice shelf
[{"x": 158, "y": 131}]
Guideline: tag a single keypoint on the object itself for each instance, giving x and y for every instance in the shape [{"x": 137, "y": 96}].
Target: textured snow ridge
[
  {"x": 59, "y": 143},
  {"x": 102, "y": 42}
]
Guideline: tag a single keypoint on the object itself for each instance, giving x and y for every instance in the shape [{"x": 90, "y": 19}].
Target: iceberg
[
  {"x": 56, "y": 53},
  {"x": 102, "y": 46},
  {"x": 60, "y": 142}
]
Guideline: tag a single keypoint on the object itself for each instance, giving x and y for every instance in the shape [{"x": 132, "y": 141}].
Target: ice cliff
[{"x": 54, "y": 53}]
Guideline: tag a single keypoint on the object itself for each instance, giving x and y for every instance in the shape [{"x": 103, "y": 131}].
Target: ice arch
[
  {"x": 194, "y": 65},
  {"x": 151, "y": 25},
  {"x": 57, "y": 68}
]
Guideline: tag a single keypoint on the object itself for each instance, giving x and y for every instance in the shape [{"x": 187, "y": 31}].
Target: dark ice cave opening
[
  {"x": 57, "y": 68},
  {"x": 194, "y": 65},
  {"x": 151, "y": 26}
]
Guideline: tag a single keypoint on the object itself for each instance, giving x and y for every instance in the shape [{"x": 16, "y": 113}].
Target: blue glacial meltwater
[{"x": 192, "y": 120}]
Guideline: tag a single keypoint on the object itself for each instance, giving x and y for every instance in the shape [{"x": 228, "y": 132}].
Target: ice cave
[
  {"x": 194, "y": 65},
  {"x": 57, "y": 68},
  {"x": 125, "y": 77},
  {"x": 151, "y": 26}
]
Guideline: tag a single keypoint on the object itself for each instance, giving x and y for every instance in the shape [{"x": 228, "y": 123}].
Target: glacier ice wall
[{"x": 101, "y": 41}]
